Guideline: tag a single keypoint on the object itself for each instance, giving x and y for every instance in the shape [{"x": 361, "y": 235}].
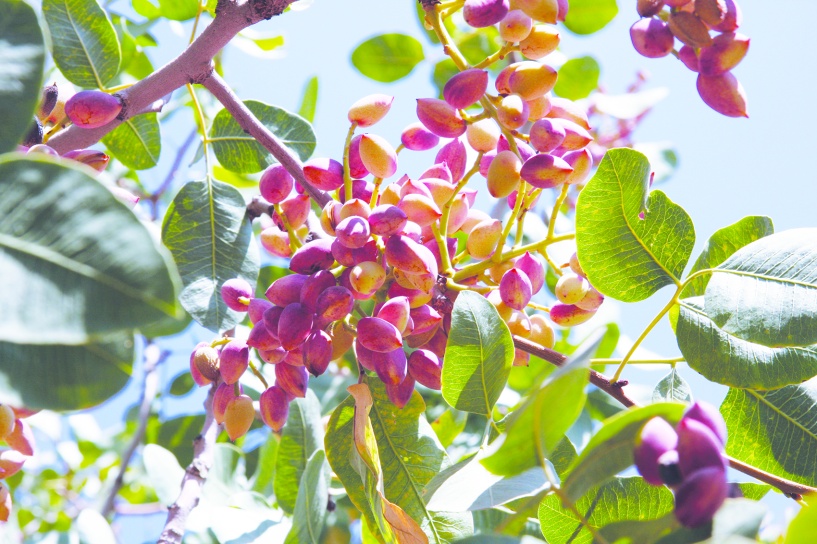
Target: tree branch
[
  {"x": 616, "y": 390},
  {"x": 153, "y": 357},
  {"x": 194, "y": 476},
  {"x": 252, "y": 126}
]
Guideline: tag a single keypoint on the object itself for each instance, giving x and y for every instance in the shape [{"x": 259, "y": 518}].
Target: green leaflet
[
  {"x": 137, "y": 142},
  {"x": 387, "y": 57}
]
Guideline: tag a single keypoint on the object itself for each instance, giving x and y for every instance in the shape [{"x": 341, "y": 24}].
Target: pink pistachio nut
[
  {"x": 723, "y": 93},
  {"x": 324, "y": 173},
  {"x": 417, "y": 137},
  {"x": 92, "y": 109},
  {"x": 312, "y": 257},
  {"x": 440, "y": 118},
  {"x": 294, "y": 325},
  {"x": 656, "y": 438},
  {"x": 370, "y": 109},
  {"x": 234, "y": 359},
  {"x": 426, "y": 368},
  {"x": 236, "y": 294},
  {"x": 482, "y": 13},
  {"x": 286, "y": 289},
  {"x": 276, "y": 184},
  {"x": 378, "y": 156},
  {"x": 274, "y": 405},
  {"x": 391, "y": 366},
  {"x": 292, "y": 379},
  {"x": 465, "y": 88}
]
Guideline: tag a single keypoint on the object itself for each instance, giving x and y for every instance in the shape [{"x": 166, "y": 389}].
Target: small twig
[
  {"x": 194, "y": 476},
  {"x": 616, "y": 390},
  {"x": 252, "y": 126},
  {"x": 153, "y": 357}
]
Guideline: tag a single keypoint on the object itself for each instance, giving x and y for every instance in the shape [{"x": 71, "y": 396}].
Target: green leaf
[
  {"x": 449, "y": 425},
  {"x": 672, "y": 388},
  {"x": 611, "y": 449},
  {"x": 726, "y": 359},
  {"x": 83, "y": 41},
  {"x": 578, "y": 78},
  {"x": 309, "y": 101},
  {"x": 498, "y": 539},
  {"x": 738, "y": 517},
  {"x": 137, "y": 142},
  {"x": 163, "y": 471},
  {"x": 801, "y": 528},
  {"x": 645, "y": 531},
  {"x": 179, "y": 10},
  {"x": 238, "y": 151},
  {"x": 618, "y": 500},
  {"x": 182, "y": 384},
  {"x": 56, "y": 377},
  {"x": 766, "y": 292},
  {"x": 443, "y": 71},
  {"x": 69, "y": 246},
  {"x": 206, "y": 230},
  {"x": 176, "y": 434},
  {"x": 723, "y": 244},
  {"x": 265, "y": 471},
  {"x": 410, "y": 456},
  {"x": 537, "y": 426},
  {"x": 22, "y": 57},
  {"x": 146, "y": 8},
  {"x": 626, "y": 257},
  {"x": 478, "y": 355},
  {"x": 589, "y": 16},
  {"x": 266, "y": 276},
  {"x": 310, "y": 508},
  {"x": 477, "y": 45},
  {"x": 775, "y": 431},
  {"x": 387, "y": 57},
  {"x": 301, "y": 437}
]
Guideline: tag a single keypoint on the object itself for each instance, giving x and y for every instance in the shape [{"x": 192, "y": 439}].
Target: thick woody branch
[
  {"x": 194, "y": 477},
  {"x": 252, "y": 126},
  {"x": 193, "y": 65},
  {"x": 616, "y": 390}
]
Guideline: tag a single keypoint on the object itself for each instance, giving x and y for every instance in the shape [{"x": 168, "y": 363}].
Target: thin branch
[
  {"x": 153, "y": 357},
  {"x": 616, "y": 390},
  {"x": 252, "y": 126},
  {"x": 194, "y": 476}
]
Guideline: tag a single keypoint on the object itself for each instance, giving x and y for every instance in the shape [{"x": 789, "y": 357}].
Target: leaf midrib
[
  {"x": 132, "y": 126},
  {"x": 766, "y": 277},
  {"x": 82, "y": 44},
  {"x": 784, "y": 415}
]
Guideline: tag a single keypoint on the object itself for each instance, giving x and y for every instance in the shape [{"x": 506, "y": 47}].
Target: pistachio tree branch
[
  {"x": 252, "y": 126},
  {"x": 192, "y": 66},
  {"x": 616, "y": 390},
  {"x": 195, "y": 475}
]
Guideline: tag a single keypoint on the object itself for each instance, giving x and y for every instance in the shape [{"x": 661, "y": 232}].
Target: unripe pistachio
[
  {"x": 532, "y": 80},
  {"x": 732, "y": 19},
  {"x": 546, "y": 11},
  {"x": 370, "y": 109},
  {"x": 538, "y": 107},
  {"x": 378, "y": 155},
  {"x": 324, "y": 173},
  {"x": 296, "y": 210},
  {"x": 592, "y": 300},
  {"x": 415, "y": 297},
  {"x": 400, "y": 394},
  {"x": 6, "y": 420},
  {"x": 571, "y": 288},
  {"x": 541, "y": 332},
  {"x": 194, "y": 369},
  {"x": 233, "y": 360},
  {"x": 274, "y": 407},
  {"x": 726, "y": 52},
  {"x": 292, "y": 379},
  {"x": 525, "y": 151},
  {"x": 582, "y": 163},
  {"x": 92, "y": 109},
  {"x": 501, "y": 83},
  {"x": 361, "y": 189},
  {"x": 407, "y": 255},
  {"x": 317, "y": 352},
  {"x": 440, "y": 189},
  {"x": 238, "y": 416},
  {"x": 515, "y": 26},
  {"x": 416, "y": 187},
  {"x": 689, "y": 57},
  {"x": 655, "y": 439},
  {"x": 397, "y": 312},
  {"x": 355, "y": 208},
  {"x": 457, "y": 215},
  {"x": 465, "y": 88},
  {"x": 564, "y": 6},
  {"x": 689, "y": 29},
  {"x": 417, "y": 137},
  {"x": 652, "y": 38},
  {"x": 723, "y": 93},
  {"x": 648, "y": 8},
  {"x": 276, "y": 184},
  {"x": 455, "y": 157},
  {"x": 473, "y": 218},
  {"x": 512, "y": 112},
  {"x": 356, "y": 167},
  {"x": 440, "y": 170},
  {"x": 436, "y": 344},
  {"x": 367, "y": 277},
  {"x": 221, "y": 398},
  {"x": 294, "y": 325},
  {"x": 545, "y": 171},
  {"x": 547, "y": 134},
  {"x": 562, "y": 108},
  {"x": 378, "y": 335},
  {"x": 483, "y": 238},
  {"x": 541, "y": 42},
  {"x": 519, "y": 324},
  {"x": 496, "y": 299},
  {"x": 206, "y": 360},
  {"x": 276, "y": 242},
  {"x": 520, "y": 358},
  {"x": 699, "y": 497},
  {"x": 286, "y": 290},
  {"x": 515, "y": 289},
  {"x": 426, "y": 368},
  {"x": 705, "y": 413},
  {"x": 569, "y": 315},
  {"x": 353, "y": 232},
  {"x": 533, "y": 269},
  {"x": 440, "y": 118},
  {"x": 386, "y": 220},
  {"x": 482, "y": 13},
  {"x": 575, "y": 266},
  {"x": 420, "y": 209}
]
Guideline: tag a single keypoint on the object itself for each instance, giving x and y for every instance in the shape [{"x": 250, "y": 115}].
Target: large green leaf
[
  {"x": 775, "y": 431},
  {"x": 625, "y": 256},
  {"x": 179, "y": 10},
  {"x": 724, "y": 358},
  {"x": 83, "y": 41},
  {"x": 310, "y": 508},
  {"x": 238, "y": 151},
  {"x": 410, "y": 456},
  {"x": 617, "y": 500},
  {"x": 766, "y": 292},
  {"x": 137, "y": 142},
  {"x": 387, "y": 57},
  {"x": 75, "y": 263},
  {"x": 56, "y": 377},
  {"x": 801, "y": 528},
  {"x": 537, "y": 426},
  {"x": 478, "y": 355},
  {"x": 578, "y": 78},
  {"x": 22, "y": 57},
  {"x": 206, "y": 230},
  {"x": 589, "y": 16},
  {"x": 611, "y": 449},
  {"x": 302, "y": 436}
]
